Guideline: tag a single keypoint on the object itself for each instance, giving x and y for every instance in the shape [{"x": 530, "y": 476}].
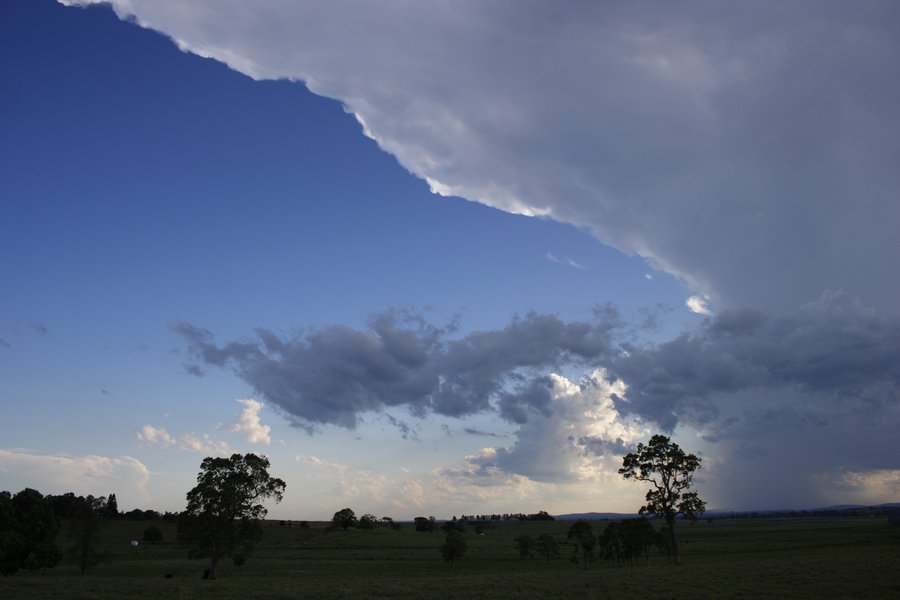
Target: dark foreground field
[{"x": 758, "y": 558}]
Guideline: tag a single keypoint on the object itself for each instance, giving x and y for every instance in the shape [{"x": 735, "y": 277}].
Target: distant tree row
[
  {"x": 541, "y": 515},
  {"x": 30, "y": 522},
  {"x": 346, "y": 518}
]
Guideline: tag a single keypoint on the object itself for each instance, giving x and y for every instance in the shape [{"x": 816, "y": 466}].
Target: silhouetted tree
[
  {"x": 670, "y": 471},
  {"x": 112, "y": 506},
  {"x": 525, "y": 546},
  {"x": 28, "y": 529},
  {"x": 454, "y": 547},
  {"x": 449, "y": 526},
  {"x": 629, "y": 539},
  {"x": 424, "y": 524},
  {"x": 224, "y": 508},
  {"x": 541, "y": 515},
  {"x": 368, "y": 521},
  {"x": 84, "y": 527},
  {"x": 344, "y": 519},
  {"x": 153, "y": 534},
  {"x": 582, "y": 535},
  {"x": 548, "y": 546}
]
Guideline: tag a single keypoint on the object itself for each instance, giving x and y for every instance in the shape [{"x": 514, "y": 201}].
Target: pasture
[{"x": 735, "y": 558}]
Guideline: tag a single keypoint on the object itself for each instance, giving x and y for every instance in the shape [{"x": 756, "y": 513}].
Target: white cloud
[
  {"x": 125, "y": 476},
  {"x": 746, "y": 150},
  {"x": 248, "y": 424},
  {"x": 581, "y": 437},
  {"x": 565, "y": 261},
  {"x": 204, "y": 445},
  {"x": 190, "y": 442},
  {"x": 156, "y": 435},
  {"x": 699, "y": 305}
]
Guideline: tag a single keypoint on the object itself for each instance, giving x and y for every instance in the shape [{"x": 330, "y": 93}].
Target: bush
[{"x": 153, "y": 534}]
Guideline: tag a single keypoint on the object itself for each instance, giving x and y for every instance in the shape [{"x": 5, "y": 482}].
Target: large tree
[
  {"x": 582, "y": 535},
  {"x": 670, "y": 471},
  {"x": 225, "y": 507},
  {"x": 28, "y": 531},
  {"x": 344, "y": 518},
  {"x": 84, "y": 526}
]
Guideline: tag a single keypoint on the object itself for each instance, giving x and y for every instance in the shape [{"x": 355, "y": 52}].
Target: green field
[{"x": 736, "y": 558}]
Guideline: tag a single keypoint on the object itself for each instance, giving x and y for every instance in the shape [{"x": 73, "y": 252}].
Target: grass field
[{"x": 739, "y": 558}]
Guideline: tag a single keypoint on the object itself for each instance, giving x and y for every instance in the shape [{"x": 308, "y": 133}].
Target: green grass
[{"x": 741, "y": 558}]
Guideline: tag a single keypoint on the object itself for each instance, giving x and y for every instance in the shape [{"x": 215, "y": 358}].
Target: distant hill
[
  {"x": 850, "y": 509},
  {"x": 594, "y": 515}
]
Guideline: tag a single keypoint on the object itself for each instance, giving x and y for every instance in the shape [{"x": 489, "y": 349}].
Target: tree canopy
[
  {"x": 344, "y": 519},
  {"x": 28, "y": 529},
  {"x": 669, "y": 470},
  {"x": 224, "y": 508}
]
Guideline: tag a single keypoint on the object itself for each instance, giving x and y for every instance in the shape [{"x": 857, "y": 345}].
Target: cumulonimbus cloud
[{"x": 748, "y": 149}]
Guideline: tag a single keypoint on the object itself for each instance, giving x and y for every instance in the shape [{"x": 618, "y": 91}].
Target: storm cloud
[
  {"x": 839, "y": 355},
  {"x": 798, "y": 400},
  {"x": 335, "y": 374},
  {"x": 747, "y": 148}
]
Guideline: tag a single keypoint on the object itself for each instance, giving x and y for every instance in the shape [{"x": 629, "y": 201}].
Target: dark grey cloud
[
  {"x": 407, "y": 431},
  {"x": 335, "y": 374},
  {"x": 787, "y": 400},
  {"x": 835, "y": 349},
  {"x": 482, "y": 433}
]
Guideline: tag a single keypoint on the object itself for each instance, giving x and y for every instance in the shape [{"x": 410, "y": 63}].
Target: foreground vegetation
[{"x": 808, "y": 557}]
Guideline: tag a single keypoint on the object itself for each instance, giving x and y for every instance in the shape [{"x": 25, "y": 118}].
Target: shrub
[{"x": 153, "y": 534}]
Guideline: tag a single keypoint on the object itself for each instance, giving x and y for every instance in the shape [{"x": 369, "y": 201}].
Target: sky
[{"x": 450, "y": 257}]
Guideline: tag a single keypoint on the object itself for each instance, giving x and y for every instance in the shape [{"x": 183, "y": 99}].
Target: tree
[
  {"x": 582, "y": 534},
  {"x": 368, "y": 521},
  {"x": 525, "y": 546},
  {"x": 84, "y": 527},
  {"x": 670, "y": 471},
  {"x": 112, "y": 506},
  {"x": 153, "y": 534},
  {"x": 344, "y": 519},
  {"x": 454, "y": 547},
  {"x": 425, "y": 524},
  {"x": 629, "y": 539},
  {"x": 225, "y": 507},
  {"x": 548, "y": 546},
  {"x": 28, "y": 529}
]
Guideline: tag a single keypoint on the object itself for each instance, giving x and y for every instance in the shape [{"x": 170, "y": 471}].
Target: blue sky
[{"x": 455, "y": 280}]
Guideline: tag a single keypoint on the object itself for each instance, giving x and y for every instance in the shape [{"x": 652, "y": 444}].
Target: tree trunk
[
  {"x": 670, "y": 522},
  {"x": 212, "y": 567}
]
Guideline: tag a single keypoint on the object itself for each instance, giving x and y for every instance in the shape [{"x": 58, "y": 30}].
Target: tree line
[{"x": 225, "y": 509}]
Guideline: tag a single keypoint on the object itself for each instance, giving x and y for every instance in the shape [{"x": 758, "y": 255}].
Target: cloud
[
  {"x": 475, "y": 431},
  {"x": 156, "y": 436},
  {"x": 565, "y": 261},
  {"x": 351, "y": 485},
  {"x": 249, "y": 425},
  {"x": 40, "y": 329},
  {"x": 581, "y": 437},
  {"x": 335, "y": 374},
  {"x": 125, "y": 476},
  {"x": 788, "y": 398},
  {"x": 747, "y": 150},
  {"x": 189, "y": 442},
  {"x": 699, "y": 305},
  {"x": 204, "y": 445}
]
